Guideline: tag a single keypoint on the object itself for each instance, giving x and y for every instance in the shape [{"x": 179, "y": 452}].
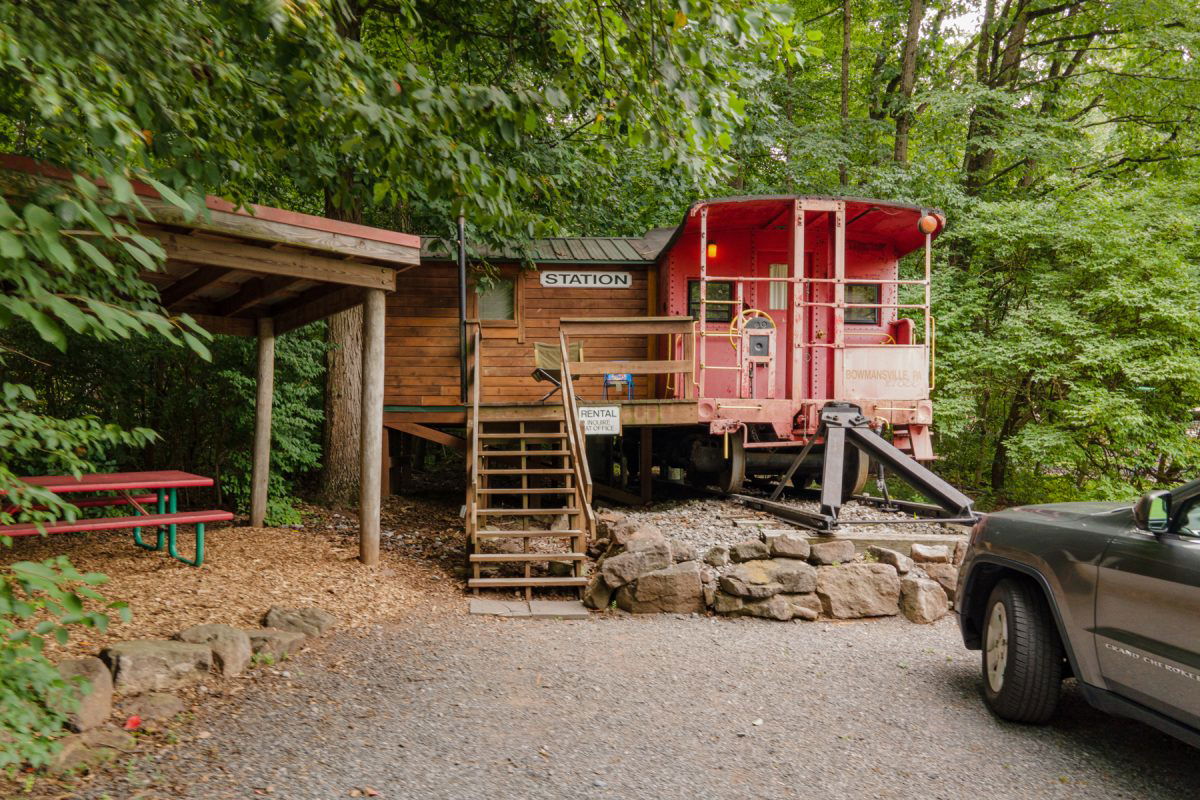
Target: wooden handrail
[
  {"x": 575, "y": 440},
  {"x": 472, "y": 472}
]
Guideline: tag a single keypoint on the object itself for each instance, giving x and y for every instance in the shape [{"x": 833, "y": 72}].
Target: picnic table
[{"x": 135, "y": 489}]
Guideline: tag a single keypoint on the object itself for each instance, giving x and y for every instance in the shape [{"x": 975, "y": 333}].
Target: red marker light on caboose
[
  {"x": 927, "y": 224},
  {"x": 712, "y": 249}
]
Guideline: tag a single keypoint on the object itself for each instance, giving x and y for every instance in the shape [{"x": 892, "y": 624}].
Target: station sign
[
  {"x": 590, "y": 279},
  {"x": 600, "y": 420}
]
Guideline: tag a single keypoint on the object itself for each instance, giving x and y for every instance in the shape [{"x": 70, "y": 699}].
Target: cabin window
[
  {"x": 717, "y": 290},
  {"x": 778, "y": 300},
  {"x": 497, "y": 301},
  {"x": 862, "y": 293}
]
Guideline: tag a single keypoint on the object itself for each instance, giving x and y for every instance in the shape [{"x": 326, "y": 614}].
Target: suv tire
[{"x": 1022, "y": 654}]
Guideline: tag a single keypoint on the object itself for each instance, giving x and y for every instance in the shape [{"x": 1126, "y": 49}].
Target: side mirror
[{"x": 1152, "y": 512}]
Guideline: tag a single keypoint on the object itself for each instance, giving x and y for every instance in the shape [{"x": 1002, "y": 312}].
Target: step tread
[
  {"x": 516, "y": 534},
  {"x": 521, "y": 453},
  {"x": 525, "y": 512},
  {"x": 538, "y": 471},
  {"x": 529, "y": 435},
  {"x": 527, "y": 490},
  {"x": 485, "y": 582},
  {"x": 492, "y": 557}
]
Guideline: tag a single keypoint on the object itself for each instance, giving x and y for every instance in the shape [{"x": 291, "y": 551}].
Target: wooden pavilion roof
[{"x": 231, "y": 266}]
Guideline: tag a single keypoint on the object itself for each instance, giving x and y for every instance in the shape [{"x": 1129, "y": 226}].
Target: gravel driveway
[{"x": 451, "y": 706}]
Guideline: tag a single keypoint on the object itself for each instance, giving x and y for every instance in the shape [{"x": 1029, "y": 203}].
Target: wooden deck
[{"x": 634, "y": 413}]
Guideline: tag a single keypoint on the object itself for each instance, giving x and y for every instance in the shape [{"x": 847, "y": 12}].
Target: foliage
[{"x": 52, "y": 596}]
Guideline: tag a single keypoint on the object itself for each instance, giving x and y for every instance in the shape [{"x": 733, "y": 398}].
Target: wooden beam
[
  {"x": 251, "y": 258},
  {"x": 432, "y": 434},
  {"x": 191, "y": 284},
  {"x": 646, "y": 465},
  {"x": 264, "y": 394},
  {"x": 253, "y": 292},
  {"x": 371, "y": 426},
  {"x": 232, "y": 326},
  {"x": 227, "y": 222},
  {"x": 625, "y": 326},
  {"x": 632, "y": 367},
  {"x": 317, "y": 303}
]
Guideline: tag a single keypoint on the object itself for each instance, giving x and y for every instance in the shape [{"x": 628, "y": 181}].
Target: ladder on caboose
[{"x": 531, "y": 471}]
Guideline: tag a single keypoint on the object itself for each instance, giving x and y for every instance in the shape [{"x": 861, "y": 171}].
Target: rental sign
[{"x": 586, "y": 280}]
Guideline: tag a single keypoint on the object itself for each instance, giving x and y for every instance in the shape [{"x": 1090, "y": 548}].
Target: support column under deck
[
  {"x": 371, "y": 426},
  {"x": 260, "y": 469}
]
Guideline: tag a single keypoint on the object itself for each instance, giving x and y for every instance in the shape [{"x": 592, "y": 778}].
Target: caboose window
[
  {"x": 862, "y": 293},
  {"x": 778, "y": 301},
  {"x": 496, "y": 300},
  {"x": 717, "y": 290}
]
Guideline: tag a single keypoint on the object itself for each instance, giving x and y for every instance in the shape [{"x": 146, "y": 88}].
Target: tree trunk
[
  {"x": 843, "y": 176},
  {"x": 908, "y": 79}
]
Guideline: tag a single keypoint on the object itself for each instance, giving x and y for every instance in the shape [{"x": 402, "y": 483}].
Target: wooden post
[
  {"x": 385, "y": 464},
  {"x": 260, "y": 470},
  {"x": 646, "y": 465},
  {"x": 371, "y": 427}
]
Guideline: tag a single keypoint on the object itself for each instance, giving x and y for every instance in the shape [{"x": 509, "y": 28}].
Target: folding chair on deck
[{"x": 547, "y": 360}]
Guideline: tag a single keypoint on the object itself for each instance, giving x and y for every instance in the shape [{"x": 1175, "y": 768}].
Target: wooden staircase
[{"x": 527, "y": 483}]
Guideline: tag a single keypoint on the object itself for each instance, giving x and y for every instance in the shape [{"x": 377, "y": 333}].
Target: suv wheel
[{"x": 1022, "y": 655}]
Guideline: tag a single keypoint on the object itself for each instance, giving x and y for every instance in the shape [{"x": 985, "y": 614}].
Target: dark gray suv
[{"x": 1106, "y": 592}]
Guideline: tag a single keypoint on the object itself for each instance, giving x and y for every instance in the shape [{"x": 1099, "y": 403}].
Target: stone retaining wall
[{"x": 780, "y": 576}]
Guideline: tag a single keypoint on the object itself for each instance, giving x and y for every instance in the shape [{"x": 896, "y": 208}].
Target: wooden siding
[{"x": 422, "y": 335}]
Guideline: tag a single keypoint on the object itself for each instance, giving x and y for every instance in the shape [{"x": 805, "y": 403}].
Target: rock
[
  {"x": 901, "y": 562},
  {"x": 960, "y": 553},
  {"x": 710, "y": 593},
  {"x": 627, "y": 529},
  {"x": 230, "y": 646},
  {"x": 82, "y": 750},
  {"x": 804, "y": 606},
  {"x": 930, "y": 553},
  {"x": 597, "y": 547},
  {"x": 154, "y": 706},
  {"x": 833, "y": 551},
  {"x": 598, "y": 593},
  {"x": 560, "y": 569},
  {"x": 922, "y": 600},
  {"x": 944, "y": 574},
  {"x": 645, "y": 551},
  {"x": 850, "y": 591},
  {"x": 749, "y": 551},
  {"x": 275, "y": 643},
  {"x": 309, "y": 621},
  {"x": 753, "y": 579},
  {"x": 606, "y": 521},
  {"x": 95, "y": 696},
  {"x": 775, "y": 607},
  {"x": 672, "y": 590},
  {"x": 683, "y": 551},
  {"x": 788, "y": 545},
  {"x": 146, "y": 665},
  {"x": 717, "y": 556},
  {"x": 794, "y": 576},
  {"x": 727, "y": 603}
]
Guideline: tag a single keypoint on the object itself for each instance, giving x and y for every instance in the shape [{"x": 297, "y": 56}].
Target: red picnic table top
[{"x": 119, "y": 481}]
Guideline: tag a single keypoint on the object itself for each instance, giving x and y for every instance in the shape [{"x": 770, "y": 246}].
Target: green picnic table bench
[{"x": 132, "y": 489}]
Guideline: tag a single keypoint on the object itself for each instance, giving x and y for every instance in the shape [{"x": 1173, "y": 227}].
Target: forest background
[{"x": 1059, "y": 138}]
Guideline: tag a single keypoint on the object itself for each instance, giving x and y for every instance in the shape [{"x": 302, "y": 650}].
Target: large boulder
[
  {"x": 606, "y": 520},
  {"x": 79, "y": 751},
  {"x": 309, "y": 621},
  {"x": 645, "y": 551},
  {"x": 147, "y": 665},
  {"x": 230, "y": 646},
  {"x": 776, "y": 607},
  {"x": 274, "y": 643},
  {"x": 930, "y": 553},
  {"x": 832, "y": 551},
  {"x": 883, "y": 555},
  {"x": 753, "y": 579},
  {"x": 749, "y": 551},
  {"x": 794, "y": 576},
  {"x": 804, "y": 606},
  {"x": 674, "y": 590},
  {"x": 960, "y": 552},
  {"x": 851, "y": 591},
  {"x": 944, "y": 574},
  {"x": 93, "y": 686},
  {"x": 922, "y": 600},
  {"x": 627, "y": 529},
  {"x": 788, "y": 545},
  {"x": 154, "y": 706},
  {"x": 725, "y": 603},
  {"x": 683, "y": 551},
  {"x": 598, "y": 593}
]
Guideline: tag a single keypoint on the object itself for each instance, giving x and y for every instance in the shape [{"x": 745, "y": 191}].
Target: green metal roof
[{"x": 564, "y": 250}]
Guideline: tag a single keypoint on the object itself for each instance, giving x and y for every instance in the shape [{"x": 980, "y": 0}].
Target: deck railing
[
  {"x": 472, "y": 455},
  {"x": 576, "y": 442},
  {"x": 681, "y": 337}
]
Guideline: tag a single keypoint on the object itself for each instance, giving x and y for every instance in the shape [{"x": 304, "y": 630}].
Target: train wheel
[
  {"x": 855, "y": 472},
  {"x": 732, "y": 478}
]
